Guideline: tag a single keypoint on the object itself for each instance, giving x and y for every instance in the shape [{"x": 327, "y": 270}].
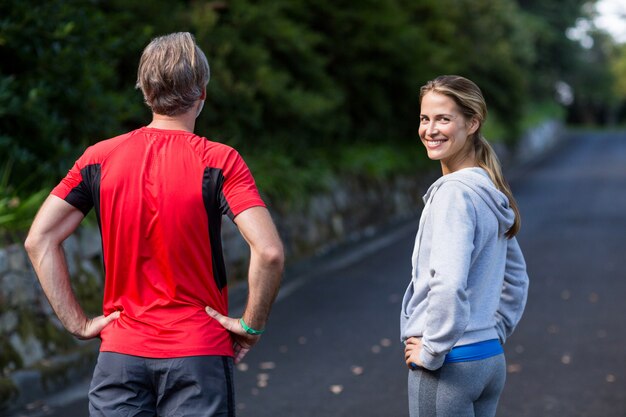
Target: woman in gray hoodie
[{"x": 469, "y": 283}]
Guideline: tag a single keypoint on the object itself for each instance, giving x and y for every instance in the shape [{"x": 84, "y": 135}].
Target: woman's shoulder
[
  {"x": 454, "y": 187},
  {"x": 469, "y": 182},
  {"x": 452, "y": 196}
]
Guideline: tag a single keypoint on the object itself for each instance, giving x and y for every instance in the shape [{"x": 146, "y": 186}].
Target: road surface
[{"x": 332, "y": 346}]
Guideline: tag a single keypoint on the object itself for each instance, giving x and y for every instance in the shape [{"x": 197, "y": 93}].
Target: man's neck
[{"x": 185, "y": 121}]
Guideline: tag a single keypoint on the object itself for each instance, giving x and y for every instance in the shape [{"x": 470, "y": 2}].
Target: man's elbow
[
  {"x": 273, "y": 256},
  {"x": 35, "y": 243},
  {"x": 31, "y": 243}
]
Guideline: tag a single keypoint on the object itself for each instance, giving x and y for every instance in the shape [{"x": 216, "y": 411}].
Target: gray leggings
[{"x": 462, "y": 389}]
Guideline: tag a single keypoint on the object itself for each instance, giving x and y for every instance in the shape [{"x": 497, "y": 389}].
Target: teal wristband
[{"x": 250, "y": 330}]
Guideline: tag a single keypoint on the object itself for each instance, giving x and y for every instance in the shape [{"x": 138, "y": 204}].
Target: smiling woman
[{"x": 469, "y": 281}]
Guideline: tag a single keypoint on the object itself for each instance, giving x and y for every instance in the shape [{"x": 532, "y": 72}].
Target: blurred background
[
  {"x": 328, "y": 87},
  {"x": 324, "y": 90}
]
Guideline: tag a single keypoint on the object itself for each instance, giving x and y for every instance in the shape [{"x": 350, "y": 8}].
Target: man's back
[{"x": 159, "y": 196}]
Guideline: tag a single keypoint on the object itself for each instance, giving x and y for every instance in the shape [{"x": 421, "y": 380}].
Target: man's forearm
[
  {"x": 264, "y": 277},
  {"x": 266, "y": 264},
  {"x": 54, "y": 223},
  {"x": 50, "y": 265}
]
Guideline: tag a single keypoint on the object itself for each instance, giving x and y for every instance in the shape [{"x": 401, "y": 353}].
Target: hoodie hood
[{"x": 478, "y": 181}]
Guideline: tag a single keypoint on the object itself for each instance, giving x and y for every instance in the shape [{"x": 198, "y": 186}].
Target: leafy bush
[{"x": 18, "y": 205}]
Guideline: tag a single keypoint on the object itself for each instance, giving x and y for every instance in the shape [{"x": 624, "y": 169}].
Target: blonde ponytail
[{"x": 488, "y": 160}]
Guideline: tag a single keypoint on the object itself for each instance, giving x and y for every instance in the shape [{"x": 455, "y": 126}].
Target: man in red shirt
[{"x": 159, "y": 193}]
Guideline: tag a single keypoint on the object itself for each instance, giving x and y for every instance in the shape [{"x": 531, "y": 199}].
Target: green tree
[
  {"x": 556, "y": 54},
  {"x": 618, "y": 68},
  {"x": 308, "y": 80},
  {"x": 595, "y": 95},
  {"x": 488, "y": 42},
  {"x": 268, "y": 85},
  {"x": 58, "y": 84}
]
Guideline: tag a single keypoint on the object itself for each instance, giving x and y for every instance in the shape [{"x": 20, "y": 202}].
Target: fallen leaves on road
[
  {"x": 262, "y": 380},
  {"x": 514, "y": 368},
  {"x": 357, "y": 370},
  {"x": 566, "y": 359},
  {"x": 336, "y": 389}
]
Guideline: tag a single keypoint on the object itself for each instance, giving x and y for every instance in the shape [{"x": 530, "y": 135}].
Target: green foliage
[
  {"x": 18, "y": 206},
  {"x": 364, "y": 161},
  {"x": 16, "y": 213},
  {"x": 494, "y": 130},
  {"x": 381, "y": 160},
  {"x": 373, "y": 54},
  {"x": 540, "y": 112},
  {"x": 489, "y": 44},
  {"x": 595, "y": 94},
  {"x": 618, "y": 68},
  {"x": 555, "y": 53},
  {"x": 284, "y": 180},
  {"x": 269, "y": 86},
  {"x": 59, "y": 85},
  {"x": 317, "y": 88}
]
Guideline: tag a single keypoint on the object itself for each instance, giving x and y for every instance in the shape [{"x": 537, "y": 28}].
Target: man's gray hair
[{"x": 173, "y": 73}]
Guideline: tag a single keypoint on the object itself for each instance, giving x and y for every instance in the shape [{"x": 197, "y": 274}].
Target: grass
[{"x": 18, "y": 205}]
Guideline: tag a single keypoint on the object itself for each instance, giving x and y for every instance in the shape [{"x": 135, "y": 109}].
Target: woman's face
[{"x": 444, "y": 131}]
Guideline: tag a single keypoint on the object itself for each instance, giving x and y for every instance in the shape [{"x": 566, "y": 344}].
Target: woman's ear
[{"x": 474, "y": 124}]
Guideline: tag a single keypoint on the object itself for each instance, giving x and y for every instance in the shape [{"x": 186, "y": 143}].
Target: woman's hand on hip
[{"x": 412, "y": 350}]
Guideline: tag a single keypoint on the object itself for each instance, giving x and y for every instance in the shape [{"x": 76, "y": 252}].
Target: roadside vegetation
[{"x": 307, "y": 90}]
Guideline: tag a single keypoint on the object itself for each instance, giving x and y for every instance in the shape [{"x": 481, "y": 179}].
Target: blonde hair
[
  {"x": 173, "y": 73},
  {"x": 471, "y": 102}
]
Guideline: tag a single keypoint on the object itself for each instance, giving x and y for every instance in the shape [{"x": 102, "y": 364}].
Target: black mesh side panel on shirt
[
  {"x": 215, "y": 205},
  {"x": 87, "y": 193}
]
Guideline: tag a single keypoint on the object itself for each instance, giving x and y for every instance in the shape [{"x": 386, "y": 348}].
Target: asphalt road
[{"x": 332, "y": 347}]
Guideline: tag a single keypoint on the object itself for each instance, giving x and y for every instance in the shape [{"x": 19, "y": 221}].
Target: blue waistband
[{"x": 475, "y": 351}]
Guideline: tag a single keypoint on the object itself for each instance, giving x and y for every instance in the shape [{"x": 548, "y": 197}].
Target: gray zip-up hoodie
[{"x": 469, "y": 282}]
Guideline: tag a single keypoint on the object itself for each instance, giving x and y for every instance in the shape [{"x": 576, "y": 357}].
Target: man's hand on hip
[
  {"x": 94, "y": 326},
  {"x": 242, "y": 341}
]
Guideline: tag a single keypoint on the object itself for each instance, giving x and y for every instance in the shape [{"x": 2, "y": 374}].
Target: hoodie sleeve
[
  {"x": 514, "y": 291},
  {"x": 453, "y": 219}
]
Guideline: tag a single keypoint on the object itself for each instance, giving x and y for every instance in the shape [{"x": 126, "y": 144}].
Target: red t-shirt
[{"x": 159, "y": 197}]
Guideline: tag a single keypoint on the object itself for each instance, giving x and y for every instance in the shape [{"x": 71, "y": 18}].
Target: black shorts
[{"x": 193, "y": 386}]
